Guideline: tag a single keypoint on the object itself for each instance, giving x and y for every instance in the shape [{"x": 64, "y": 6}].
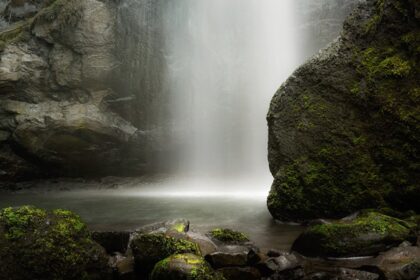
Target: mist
[{"x": 225, "y": 59}]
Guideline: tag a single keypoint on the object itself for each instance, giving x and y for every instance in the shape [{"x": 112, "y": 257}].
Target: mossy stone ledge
[{"x": 367, "y": 234}]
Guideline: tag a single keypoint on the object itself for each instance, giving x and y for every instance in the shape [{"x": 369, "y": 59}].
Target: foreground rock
[
  {"x": 148, "y": 249},
  {"x": 227, "y": 256},
  {"x": 399, "y": 263},
  {"x": 364, "y": 235},
  {"x": 344, "y": 127},
  {"x": 39, "y": 244},
  {"x": 184, "y": 267}
]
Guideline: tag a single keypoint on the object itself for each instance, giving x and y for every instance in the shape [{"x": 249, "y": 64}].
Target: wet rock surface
[
  {"x": 56, "y": 67},
  {"x": 40, "y": 244},
  {"x": 364, "y": 235},
  {"x": 184, "y": 267},
  {"x": 233, "y": 256},
  {"x": 336, "y": 144},
  {"x": 167, "y": 250}
]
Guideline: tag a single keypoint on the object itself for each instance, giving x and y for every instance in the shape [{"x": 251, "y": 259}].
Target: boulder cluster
[{"x": 41, "y": 244}]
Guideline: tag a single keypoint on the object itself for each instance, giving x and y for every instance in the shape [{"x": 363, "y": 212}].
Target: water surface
[{"x": 127, "y": 207}]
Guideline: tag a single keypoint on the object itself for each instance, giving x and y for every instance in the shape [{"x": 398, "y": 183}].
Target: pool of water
[{"x": 127, "y": 206}]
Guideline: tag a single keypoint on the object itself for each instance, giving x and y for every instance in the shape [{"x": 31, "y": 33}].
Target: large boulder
[
  {"x": 367, "y": 234},
  {"x": 344, "y": 128},
  {"x": 42, "y": 244}
]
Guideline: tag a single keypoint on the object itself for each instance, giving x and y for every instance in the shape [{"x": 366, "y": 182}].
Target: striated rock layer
[
  {"x": 344, "y": 129},
  {"x": 56, "y": 83}
]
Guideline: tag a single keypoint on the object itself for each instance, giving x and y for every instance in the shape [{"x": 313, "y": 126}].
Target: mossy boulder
[
  {"x": 367, "y": 234},
  {"x": 42, "y": 244},
  {"x": 184, "y": 267},
  {"x": 148, "y": 249},
  {"x": 228, "y": 235},
  {"x": 344, "y": 129}
]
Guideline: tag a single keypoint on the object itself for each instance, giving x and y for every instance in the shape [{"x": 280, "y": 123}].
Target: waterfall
[{"x": 225, "y": 60}]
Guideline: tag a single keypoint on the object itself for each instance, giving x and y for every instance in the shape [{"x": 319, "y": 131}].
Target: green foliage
[
  {"x": 228, "y": 235},
  {"x": 48, "y": 245}
]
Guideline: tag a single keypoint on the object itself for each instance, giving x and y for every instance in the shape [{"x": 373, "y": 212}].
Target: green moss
[
  {"x": 321, "y": 187},
  {"x": 369, "y": 232},
  {"x": 228, "y": 235},
  {"x": 180, "y": 227},
  {"x": 373, "y": 24},
  {"x": 368, "y": 156},
  {"x": 15, "y": 33},
  {"x": 378, "y": 67},
  {"x": 184, "y": 266},
  {"x": 148, "y": 249},
  {"x": 48, "y": 245},
  {"x": 394, "y": 66}
]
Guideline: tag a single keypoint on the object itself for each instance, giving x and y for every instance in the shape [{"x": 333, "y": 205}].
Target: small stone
[
  {"x": 123, "y": 267},
  {"x": 233, "y": 256},
  {"x": 286, "y": 262},
  {"x": 405, "y": 244}
]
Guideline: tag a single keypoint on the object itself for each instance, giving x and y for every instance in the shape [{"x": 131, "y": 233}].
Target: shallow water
[{"x": 129, "y": 206}]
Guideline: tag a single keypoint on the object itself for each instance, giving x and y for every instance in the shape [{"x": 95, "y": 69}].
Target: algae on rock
[
  {"x": 48, "y": 245},
  {"x": 344, "y": 129}
]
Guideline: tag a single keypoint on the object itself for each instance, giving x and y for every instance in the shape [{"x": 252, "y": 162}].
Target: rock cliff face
[
  {"x": 56, "y": 77},
  {"x": 344, "y": 129}
]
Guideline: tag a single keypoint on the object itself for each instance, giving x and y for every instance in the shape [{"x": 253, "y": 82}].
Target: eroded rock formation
[{"x": 56, "y": 77}]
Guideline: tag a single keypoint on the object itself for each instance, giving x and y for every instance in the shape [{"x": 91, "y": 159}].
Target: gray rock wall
[{"x": 56, "y": 72}]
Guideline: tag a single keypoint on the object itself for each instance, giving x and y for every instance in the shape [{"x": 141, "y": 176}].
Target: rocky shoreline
[{"x": 367, "y": 245}]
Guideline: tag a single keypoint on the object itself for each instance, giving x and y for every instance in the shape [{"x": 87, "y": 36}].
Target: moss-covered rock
[
  {"x": 42, "y": 244},
  {"x": 367, "y": 234},
  {"x": 148, "y": 249},
  {"x": 228, "y": 235},
  {"x": 184, "y": 267},
  {"x": 344, "y": 130}
]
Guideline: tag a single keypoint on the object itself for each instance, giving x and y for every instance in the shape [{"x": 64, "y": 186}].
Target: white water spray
[{"x": 225, "y": 61}]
